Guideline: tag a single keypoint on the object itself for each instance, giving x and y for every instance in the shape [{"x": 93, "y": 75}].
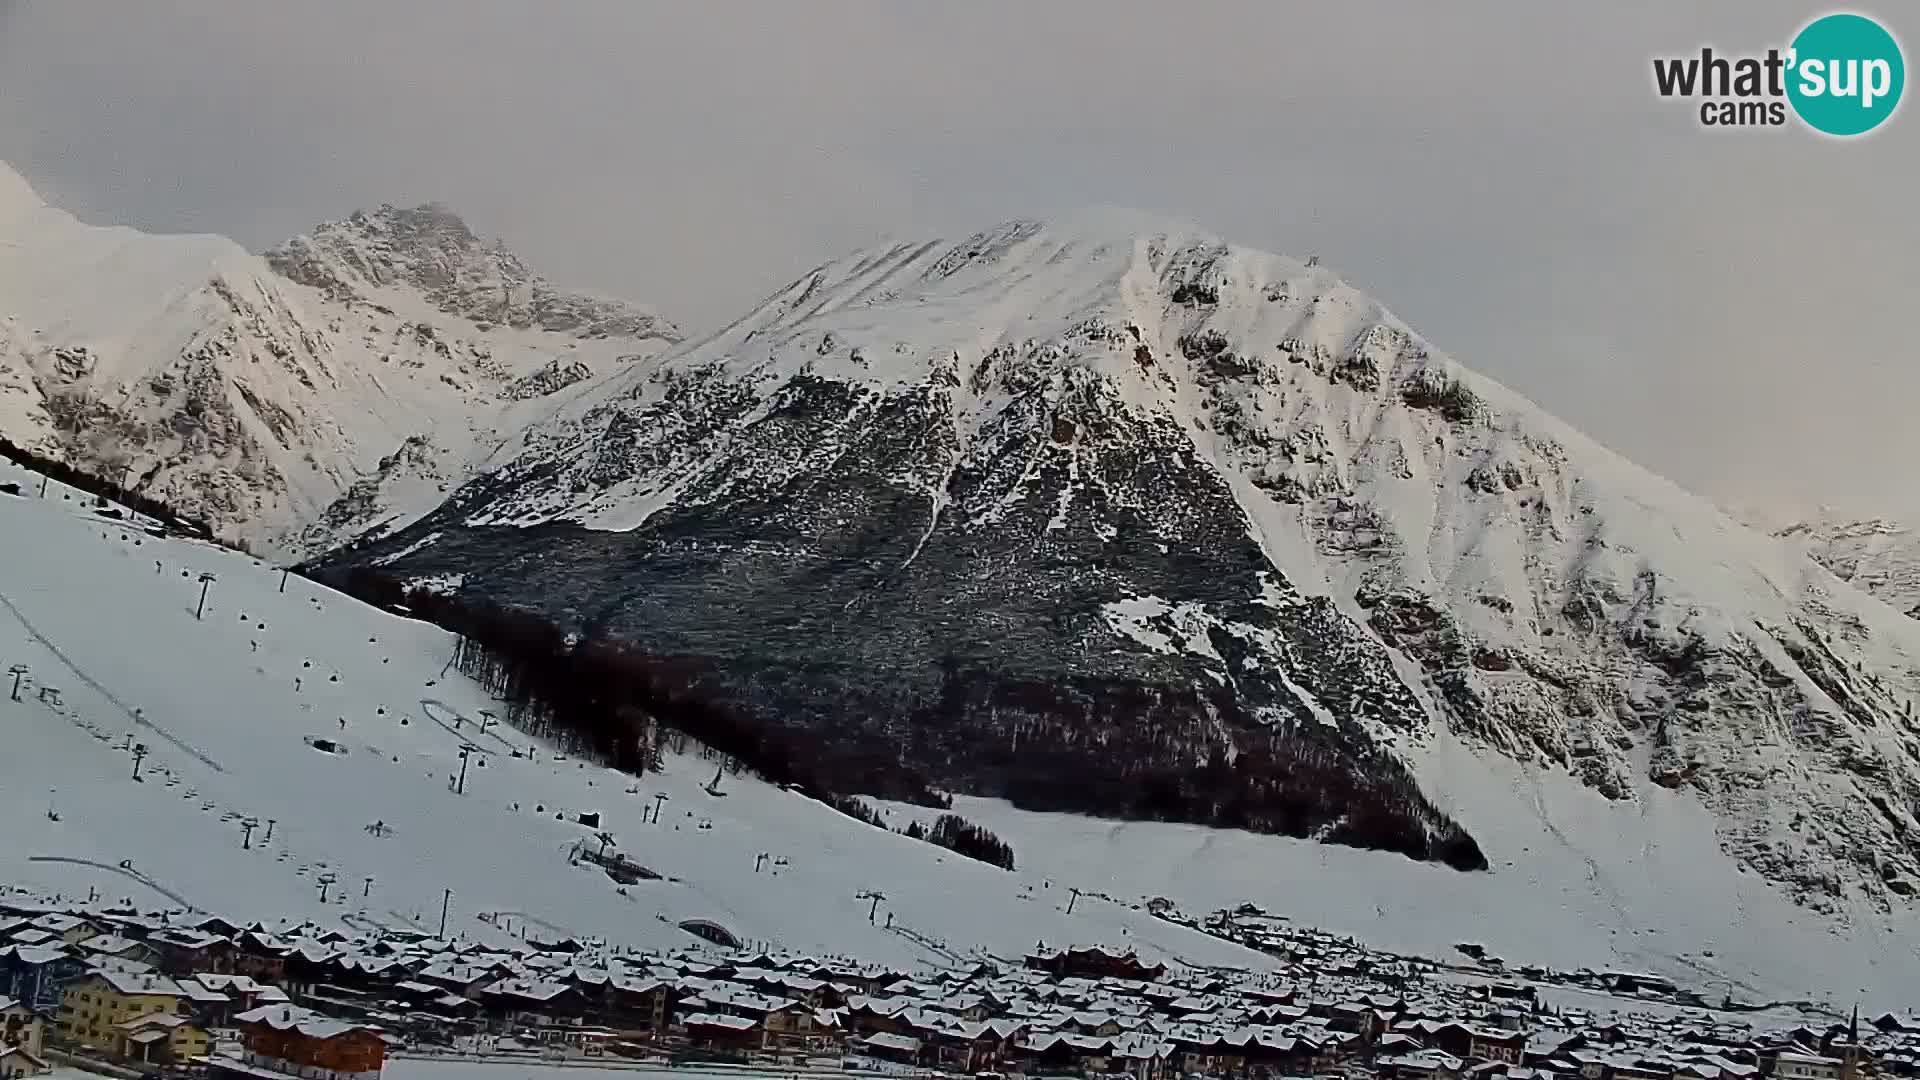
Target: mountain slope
[
  {"x": 1108, "y": 515},
  {"x": 1578, "y": 881},
  {"x": 193, "y": 370},
  {"x": 239, "y": 715},
  {"x": 1877, "y": 556}
]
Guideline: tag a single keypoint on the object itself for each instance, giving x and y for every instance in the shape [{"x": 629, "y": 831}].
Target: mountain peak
[
  {"x": 1139, "y": 298},
  {"x": 1064, "y": 264},
  {"x": 428, "y": 225},
  {"x": 260, "y": 406},
  {"x": 430, "y": 249}
]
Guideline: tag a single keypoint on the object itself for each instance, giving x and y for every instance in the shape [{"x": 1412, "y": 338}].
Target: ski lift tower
[{"x": 206, "y": 582}]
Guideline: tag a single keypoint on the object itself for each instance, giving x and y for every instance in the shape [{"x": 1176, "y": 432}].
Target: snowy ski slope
[{"x": 104, "y": 613}]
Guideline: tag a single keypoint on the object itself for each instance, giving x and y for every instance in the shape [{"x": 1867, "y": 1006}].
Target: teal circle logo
[{"x": 1846, "y": 74}]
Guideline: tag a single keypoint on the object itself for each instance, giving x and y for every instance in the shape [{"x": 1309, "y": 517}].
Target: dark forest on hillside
[
  {"x": 103, "y": 488},
  {"x": 1100, "y": 747}
]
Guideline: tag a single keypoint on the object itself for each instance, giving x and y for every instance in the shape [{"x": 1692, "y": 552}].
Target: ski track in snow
[
  {"x": 81, "y": 674},
  {"x": 133, "y": 875}
]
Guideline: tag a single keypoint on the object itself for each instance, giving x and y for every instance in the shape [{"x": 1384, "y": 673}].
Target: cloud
[{"x": 1727, "y": 308}]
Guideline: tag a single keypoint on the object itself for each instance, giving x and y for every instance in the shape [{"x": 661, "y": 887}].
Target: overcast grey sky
[{"x": 1732, "y": 309}]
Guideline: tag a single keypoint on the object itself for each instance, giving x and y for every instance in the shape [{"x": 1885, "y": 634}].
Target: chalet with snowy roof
[
  {"x": 118, "y": 947},
  {"x": 459, "y": 977},
  {"x": 1792, "y": 1065},
  {"x": 1452, "y": 1037},
  {"x": 1495, "y": 1044},
  {"x": 1094, "y": 962},
  {"x": 888, "y": 1046},
  {"x": 159, "y": 1039},
  {"x": 182, "y": 951},
  {"x": 70, "y": 929},
  {"x": 969, "y": 1046},
  {"x": 309, "y": 963},
  {"x": 218, "y": 997},
  {"x": 1275, "y": 1053},
  {"x": 35, "y": 974},
  {"x": 533, "y": 1002},
  {"x": 812, "y": 991},
  {"x": 639, "y": 1003},
  {"x": 619, "y": 998},
  {"x": 287, "y": 1040},
  {"x": 723, "y": 1032},
  {"x": 783, "y": 1022},
  {"x": 424, "y": 1003},
  {"x": 1091, "y": 1055},
  {"x": 262, "y": 956},
  {"x": 213, "y": 925},
  {"x": 92, "y": 1005}
]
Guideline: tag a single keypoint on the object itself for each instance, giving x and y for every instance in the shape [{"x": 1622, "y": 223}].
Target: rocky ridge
[{"x": 257, "y": 392}]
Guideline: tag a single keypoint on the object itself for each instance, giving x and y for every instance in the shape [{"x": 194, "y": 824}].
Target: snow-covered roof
[
  {"x": 720, "y": 1020},
  {"x": 144, "y": 985},
  {"x": 305, "y": 1021},
  {"x": 165, "y": 1020}
]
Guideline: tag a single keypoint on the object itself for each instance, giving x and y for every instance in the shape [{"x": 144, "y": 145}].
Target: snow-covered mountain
[
  {"x": 392, "y": 255},
  {"x": 342, "y": 383},
  {"x": 1876, "y": 555},
  {"x": 312, "y": 717},
  {"x": 1108, "y": 515},
  {"x": 239, "y": 714}
]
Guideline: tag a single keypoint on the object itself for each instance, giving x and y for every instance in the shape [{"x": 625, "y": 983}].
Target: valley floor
[{"x": 1576, "y": 882}]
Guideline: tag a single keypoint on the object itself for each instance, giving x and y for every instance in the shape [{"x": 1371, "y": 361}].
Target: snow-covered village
[
  {"x": 110, "y": 988},
  {"x": 956, "y": 541}
]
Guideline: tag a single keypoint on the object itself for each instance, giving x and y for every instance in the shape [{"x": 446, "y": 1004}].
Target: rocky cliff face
[
  {"x": 429, "y": 252},
  {"x": 256, "y": 393},
  {"x": 1118, "y": 502},
  {"x": 1876, "y": 555}
]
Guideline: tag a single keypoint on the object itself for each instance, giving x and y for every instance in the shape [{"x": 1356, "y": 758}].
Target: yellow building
[
  {"x": 91, "y": 1006},
  {"x": 160, "y": 1039}
]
